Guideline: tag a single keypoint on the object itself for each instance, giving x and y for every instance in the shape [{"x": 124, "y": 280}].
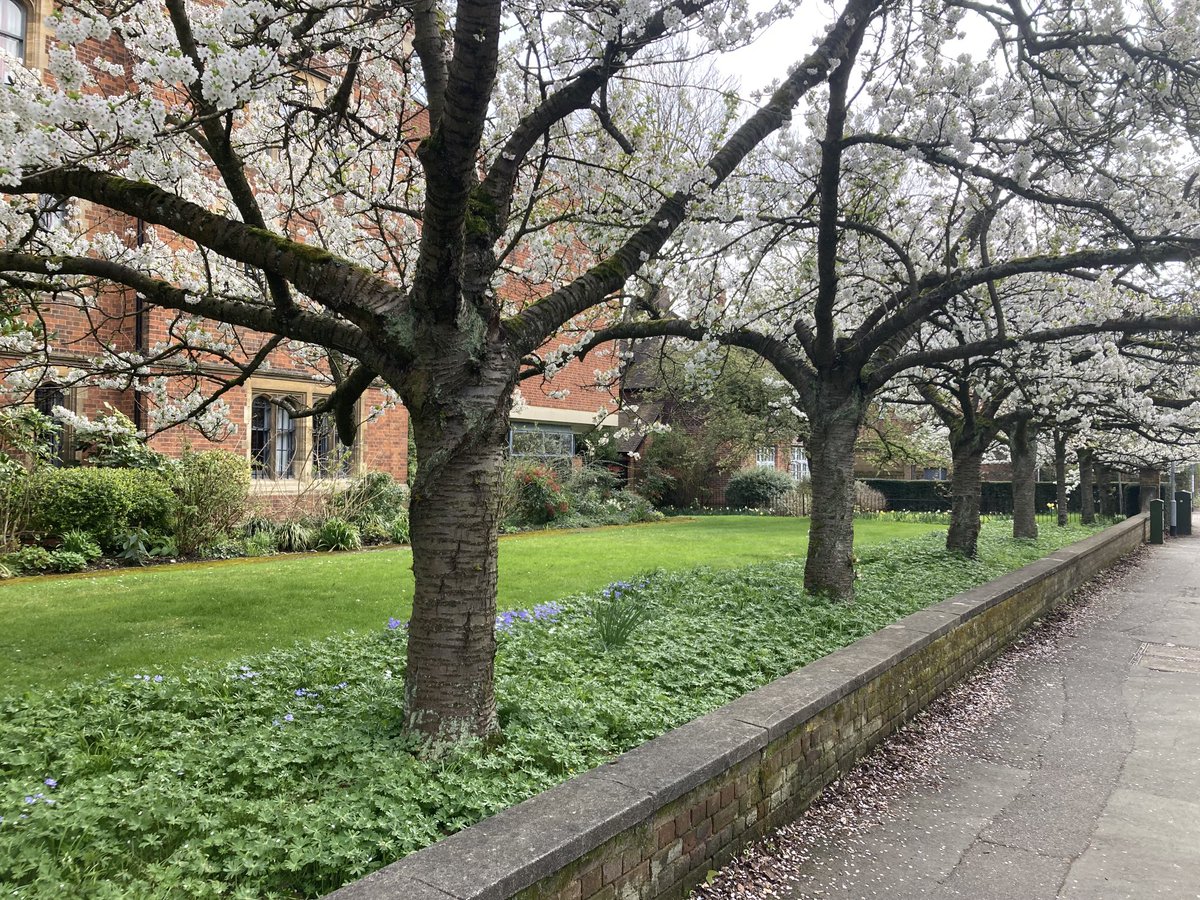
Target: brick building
[{"x": 290, "y": 455}]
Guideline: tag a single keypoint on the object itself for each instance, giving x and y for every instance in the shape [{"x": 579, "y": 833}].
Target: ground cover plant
[
  {"x": 288, "y": 774},
  {"x": 58, "y": 629}
]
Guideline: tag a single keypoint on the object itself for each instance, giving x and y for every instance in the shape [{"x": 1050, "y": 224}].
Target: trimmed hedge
[
  {"x": 934, "y": 496},
  {"x": 101, "y": 502}
]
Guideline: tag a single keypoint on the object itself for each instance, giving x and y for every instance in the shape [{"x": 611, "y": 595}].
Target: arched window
[
  {"x": 272, "y": 440},
  {"x": 14, "y": 20}
]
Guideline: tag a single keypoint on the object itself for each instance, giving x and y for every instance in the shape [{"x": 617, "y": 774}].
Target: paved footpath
[{"x": 1086, "y": 787}]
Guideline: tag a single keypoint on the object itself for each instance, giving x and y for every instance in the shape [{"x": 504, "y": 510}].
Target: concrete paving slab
[{"x": 1085, "y": 786}]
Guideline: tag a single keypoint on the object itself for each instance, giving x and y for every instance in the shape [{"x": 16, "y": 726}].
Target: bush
[
  {"x": 261, "y": 543},
  {"x": 540, "y": 494},
  {"x": 212, "y": 491},
  {"x": 757, "y": 487},
  {"x": 29, "y": 560},
  {"x": 77, "y": 541},
  {"x": 292, "y": 536},
  {"x": 100, "y": 502},
  {"x": 372, "y": 494},
  {"x": 338, "y": 534},
  {"x": 398, "y": 531},
  {"x": 66, "y": 561}
]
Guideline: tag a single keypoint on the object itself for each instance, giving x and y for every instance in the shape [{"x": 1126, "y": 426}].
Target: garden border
[{"x": 652, "y": 823}]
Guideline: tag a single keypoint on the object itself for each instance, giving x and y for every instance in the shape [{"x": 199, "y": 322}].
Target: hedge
[
  {"x": 101, "y": 502},
  {"x": 995, "y": 497}
]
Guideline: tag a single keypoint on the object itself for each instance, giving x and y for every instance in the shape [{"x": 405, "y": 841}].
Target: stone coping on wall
[{"x": 651, "y": 822}]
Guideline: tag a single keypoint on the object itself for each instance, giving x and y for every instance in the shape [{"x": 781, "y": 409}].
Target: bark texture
[
  {"x": 454, "y": 519},
  {"x": 1023, "y": 445},
  {"x": 1060, "y": 476},
  {"x": 836, "y": 415},
  {"x": 965, "y": 489},
  {"x": 1087, "y": 482}
]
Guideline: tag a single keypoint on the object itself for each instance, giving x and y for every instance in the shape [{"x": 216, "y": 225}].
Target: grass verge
[{"x": 287, "y": 775}]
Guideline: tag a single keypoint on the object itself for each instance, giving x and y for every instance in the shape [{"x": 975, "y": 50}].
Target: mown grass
[
  {"x": 289, "y": 775},
  {"x": 59, "y": 629}
]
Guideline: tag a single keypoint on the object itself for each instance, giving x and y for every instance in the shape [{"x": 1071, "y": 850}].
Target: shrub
[
  {"x": 757, "y": 486},
  {"x": 370, "y": 494},
  {"x": 77, "y": 541},
  {"x": 540, "y": 494},
  {"x": 338, "y": 534},
  {"x": 212, "y": 491},
  {"x": 66, "y": 561},
  {"x": 398, "y": 531},
  {"x": 261, "y": 543},
  {"x": 29, "y": 560},
  {"x": 293, "y": 536},
  {"x": 112, "y": 441},
  {"x": 374, "y": 528},
  {"x": 101, "y": 502}
]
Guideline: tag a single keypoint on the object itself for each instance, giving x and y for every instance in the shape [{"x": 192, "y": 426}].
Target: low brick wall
[{"x": 653, "y": 822}]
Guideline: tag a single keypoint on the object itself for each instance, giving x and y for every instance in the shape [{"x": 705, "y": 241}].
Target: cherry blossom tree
[
  {"x": 924, "y": 177},
  {"x": 427, "y": 192}
]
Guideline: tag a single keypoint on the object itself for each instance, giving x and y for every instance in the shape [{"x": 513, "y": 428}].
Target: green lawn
[{"x": 55, "y": 630}]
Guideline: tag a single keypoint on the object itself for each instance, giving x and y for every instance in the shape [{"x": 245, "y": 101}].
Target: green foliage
[
  {"x": 617, "y": 613},
  {"x": 29, "y": 561},
  {"x": 25, "y": 435},
  {"x": 715, "y": 426},
  {"x": 79, "y": 541},
  {"x": 133, "y": 546},
  {"x": 178, "y": 613},
  {"x": 540, "y": 494},
  {"x": 757, "y": 487},
  {"x": 287, "y": 775},
  {"x": 101, "y": 502},
  {"x": 261, "y": 543},
  {"x": 338, "y": 534},
  {"x": 66, "y": 561},
  {"x": 398, "y": 531},
  {"x": 212, "y": 492},
  {"x": 36, "y": 560},
  {"x": 292, "y": 536},
  {"x": 375, "y": 529},
  {"x": 372, "y": 494}
]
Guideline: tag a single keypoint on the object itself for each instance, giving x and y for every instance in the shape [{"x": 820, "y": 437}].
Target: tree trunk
[
  {"x": 1087, "y": 473},
  {"x": 1023, "y": 445},
  {"x": 1148, "y": 480},
  {"x": 965, "y": 490},
  {"x": 1060, "y": 476},
  {"x": 454, "y": 520},
  {"x": 1104, "y": 492},
  {"x": 836, "y": 414}
]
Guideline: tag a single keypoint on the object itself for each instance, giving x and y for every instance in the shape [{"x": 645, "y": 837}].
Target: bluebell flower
[
  {"x": 51, "y": 783},
  {"x": 393, "y": 623},
  {"x": 158, "y": 679},
  {"x": 289, "y": 718}
]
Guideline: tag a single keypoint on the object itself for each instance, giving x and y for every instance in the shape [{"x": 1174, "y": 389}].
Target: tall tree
[
  {"x": 924, "y": 176},
  {"x": 429, "y": 192}
]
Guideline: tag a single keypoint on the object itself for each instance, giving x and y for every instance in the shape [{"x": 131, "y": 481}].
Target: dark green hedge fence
[{"x": 925, "y": 496}]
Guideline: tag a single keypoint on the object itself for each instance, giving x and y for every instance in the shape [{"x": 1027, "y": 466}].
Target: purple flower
[
  {"x": 289, "y": 718},
  {"x": 51, "y": 783},
  {"x": 158, "y": 679},
  {"x": 393, "y": 623},
  {"x": 30, "y": 800}
]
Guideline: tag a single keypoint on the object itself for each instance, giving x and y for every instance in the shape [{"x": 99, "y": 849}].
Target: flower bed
[{"x": 288, "y": 775}]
